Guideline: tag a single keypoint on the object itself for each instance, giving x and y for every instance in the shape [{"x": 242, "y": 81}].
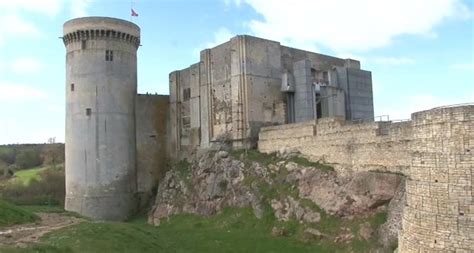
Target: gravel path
[{"x": 30, "y": 233}]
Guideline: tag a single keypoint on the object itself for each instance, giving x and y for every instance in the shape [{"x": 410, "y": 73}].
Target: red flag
[{"x": 134, "y": 14}]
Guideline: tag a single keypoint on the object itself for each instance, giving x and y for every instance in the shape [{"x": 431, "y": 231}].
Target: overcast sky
[{"x": 420, "y": 52}]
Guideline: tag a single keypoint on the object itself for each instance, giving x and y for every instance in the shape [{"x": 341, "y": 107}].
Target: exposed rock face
[
  {"x": 388, "y": 232},
  {"x": 291, "y": 208},
  {"x": 212, "y": 183},
  {"x": 217, "y": 180},
  {"x": 366, "y": 231},
  {"x": 349, "y": 195}
]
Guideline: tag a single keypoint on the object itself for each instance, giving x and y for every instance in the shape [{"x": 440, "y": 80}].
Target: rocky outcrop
[
  {"x": 210, "y": 183},
  {"x": 388, "y": 232},
  {"x": 292, "y": 190},
  {"x": 349, "y": 195},
  {"x": 290, "y": 208}
]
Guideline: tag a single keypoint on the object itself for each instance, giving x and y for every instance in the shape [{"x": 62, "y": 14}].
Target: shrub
[
  {"x": 48, "y": 190},
  {"x": 7, "y": 155},
  {"x": 52, "y": 154},
  {"x": 11, "y": 214},
  {"x": 28, "y": 158}
]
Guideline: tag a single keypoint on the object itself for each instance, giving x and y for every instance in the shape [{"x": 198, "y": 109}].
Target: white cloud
[
  {"x": 45, "y": 7},
  {"x": 351, "y": 25},
  {"x": 222, "y": 35},
  {"x": 13, "y": 25},
  {"x": 11, "y": 92},
  {"x": 236, "y": 2},
  {"x": 463, "y": 66},
  {"x": 26, "y": 66},
  {"x": 78, "y": 8},
  {"x": 14, "y": 15},
  {"x": 19, "y": 130},
  {"x": 393, "y": 61}
]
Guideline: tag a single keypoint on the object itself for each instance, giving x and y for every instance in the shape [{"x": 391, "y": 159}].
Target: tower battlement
[{"x": 97, "y": 28}]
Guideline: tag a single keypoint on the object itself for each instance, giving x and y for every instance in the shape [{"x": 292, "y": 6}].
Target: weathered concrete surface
[
  {"x": 434, "y": 151},
  {"x": 100, "y": 117},
  {"x": 236, "y": 89},
  {"x": 152, "y": 146}
]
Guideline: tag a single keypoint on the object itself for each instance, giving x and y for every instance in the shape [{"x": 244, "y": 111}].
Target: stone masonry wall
[
  {"x": 439, "y": 213},
  {"x": 362, "y": 147},
  {"x": 434, "y": 150},
  {"x": 152, "y": 151}
]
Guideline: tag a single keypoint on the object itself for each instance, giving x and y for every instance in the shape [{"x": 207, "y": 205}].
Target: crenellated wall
[{"x": 434, "y": 150}]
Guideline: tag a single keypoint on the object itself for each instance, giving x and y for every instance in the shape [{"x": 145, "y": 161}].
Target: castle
[{"x": 247, "y": 93}]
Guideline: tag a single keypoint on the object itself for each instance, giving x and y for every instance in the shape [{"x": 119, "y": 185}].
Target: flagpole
[{"x": 131, "y": 8}]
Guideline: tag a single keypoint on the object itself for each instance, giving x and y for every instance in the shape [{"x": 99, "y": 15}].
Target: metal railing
[{"x": 381, "y": 118}]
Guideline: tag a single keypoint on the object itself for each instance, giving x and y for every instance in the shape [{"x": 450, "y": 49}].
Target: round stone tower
[
  {"x": 101, "y": 87},
  {"x": 439, "y": 212}
]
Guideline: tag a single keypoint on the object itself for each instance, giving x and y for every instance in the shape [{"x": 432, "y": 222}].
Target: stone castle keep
[{"x": 254, "y": 93}]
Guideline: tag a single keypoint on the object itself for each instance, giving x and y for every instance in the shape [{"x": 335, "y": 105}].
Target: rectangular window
[
  {"x": 109, "y": 55},
  {"x": 186, "y": 94},
  {"x": 88, "y": 111},
  {"x": 325, "y": 77},
  {"x": 72, "y": 87},
  {"x": 83, "y": 44}
]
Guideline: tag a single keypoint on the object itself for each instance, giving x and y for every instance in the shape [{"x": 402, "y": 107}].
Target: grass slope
[
  {"x": 234, "y": 230},
  {"x": 26, "y": 176},
  {"x": 11, "y": 215}
]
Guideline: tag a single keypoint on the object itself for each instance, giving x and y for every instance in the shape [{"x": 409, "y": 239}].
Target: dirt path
[{"x": 24, "y": 234}]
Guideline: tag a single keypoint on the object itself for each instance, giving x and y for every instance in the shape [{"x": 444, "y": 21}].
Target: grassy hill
[
  {"x": 25, "y": 177},
  {"x": 234, "y": 230},
  {"x": 11, "y": 215}
]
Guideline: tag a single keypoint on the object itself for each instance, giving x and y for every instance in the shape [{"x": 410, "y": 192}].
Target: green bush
[
  {"x": 7, "y": 155},
  {"x": 48, "y": 190},
  {"x": 52, "y": 154},
  {"x": 11, "y": 215},
  {"x": 28, "y": 158}
]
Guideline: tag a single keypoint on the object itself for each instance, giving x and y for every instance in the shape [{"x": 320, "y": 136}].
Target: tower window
[
  {"x": 83, "y": 44},
  {"x": 325, "y": 77},
  {"x": 88, "y": 111},
  {"x": 109, "y": 55},
  {"x": 186, "y": 94},
  {"x": 72, "y": 87}
]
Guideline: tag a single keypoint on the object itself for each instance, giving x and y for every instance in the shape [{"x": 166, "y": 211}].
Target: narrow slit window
[
  {"x": 109, "y": 55},
  {"x": 186, "y": 94},
  {"x": 72, "y": 87},
  {"x": 88, "y": 111}
]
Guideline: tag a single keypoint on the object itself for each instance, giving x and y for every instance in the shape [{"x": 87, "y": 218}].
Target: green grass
[
  {"x": 25, "y": 177},
  {"x": 305, "y": 162},
  {"x": 253, "y": 155},
  {"x": 11, "y": 215},
  {"x": 233, "y": 230},
  {"x": 44, "y": 208}
]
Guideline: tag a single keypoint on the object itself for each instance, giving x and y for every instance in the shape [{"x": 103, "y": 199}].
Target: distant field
[{"x": 26, "y": 176}]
